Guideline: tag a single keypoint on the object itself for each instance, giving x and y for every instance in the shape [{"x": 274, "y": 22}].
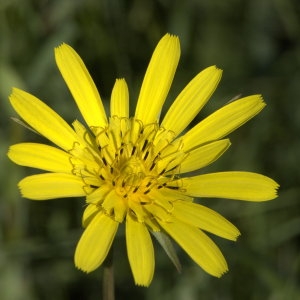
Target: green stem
[{"x": 108, "y": 277}]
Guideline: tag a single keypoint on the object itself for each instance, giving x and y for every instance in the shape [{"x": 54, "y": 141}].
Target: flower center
[
  {"x": 132, "y": 172},
  {"x": 125, "y": 163},
  {"x": 131, "y": 177},
  {"x": 135, "y": 158}
]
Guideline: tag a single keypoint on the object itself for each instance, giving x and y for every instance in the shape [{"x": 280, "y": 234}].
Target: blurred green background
[{"x": 256, "y": 43}]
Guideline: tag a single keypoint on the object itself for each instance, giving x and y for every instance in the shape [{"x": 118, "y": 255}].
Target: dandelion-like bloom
[{"x": 135, "y": 169}]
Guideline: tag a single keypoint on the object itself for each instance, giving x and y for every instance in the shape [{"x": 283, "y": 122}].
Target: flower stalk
[{"x": 108, "y": 285}]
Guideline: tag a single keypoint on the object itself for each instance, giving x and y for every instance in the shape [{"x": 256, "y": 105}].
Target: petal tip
[
  {"x": 142, "y": 284},
  {"x": 223, "y": 272},
  {"x": 170, "y": 35},
  {"x": 61, "y": 46},
  {"x": 237, "y": 235},
  {"x": 15, "y": 94},
  {"x": 170, "y": 38}
]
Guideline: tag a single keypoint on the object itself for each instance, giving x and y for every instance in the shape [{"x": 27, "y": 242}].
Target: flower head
[{"x": 135, "y": 170}]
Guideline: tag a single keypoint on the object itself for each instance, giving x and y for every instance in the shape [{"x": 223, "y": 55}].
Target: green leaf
[{"x": 167, "y": 245}]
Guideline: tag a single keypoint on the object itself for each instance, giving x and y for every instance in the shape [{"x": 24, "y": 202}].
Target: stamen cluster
[{"x": 136, "y": 158}]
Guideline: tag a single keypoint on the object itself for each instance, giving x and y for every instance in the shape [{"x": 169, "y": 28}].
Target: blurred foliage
[{"x": 257, "y": 43}]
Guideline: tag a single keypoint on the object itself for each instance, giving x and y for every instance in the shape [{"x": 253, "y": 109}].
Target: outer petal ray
[
  {"x": 40, "y": 156},
  {"x": 81, "y": 85},
  {"x": 158, "y": 79},
  {"x": 232, "y": 185},
  {"x": 198, "y": 246},
  {"x": 119, "y": 103},
  {"x": 89, "y": 213},
  {"x": 140, "y": 251},
  {"x": 51, "y": 185},
  {"x": 204, "y": 218},
  {"x": 190, "y": 101},
  {"x": 95, "y": 242},
  {"x": 223, "y": 121},
  {"x": 204, "y": 155},
  {"x": 43, "y": 119}
]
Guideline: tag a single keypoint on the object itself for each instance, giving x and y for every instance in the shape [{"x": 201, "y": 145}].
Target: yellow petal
[
  {"x": 89, "y": 213},
  {"x": 190, "y": 101},
  {"x": 159, "y": 212},
  {"x": 198, "y": 246},
  {"x": 97, "y": 196},
  {"x": 158, "y": 79},
  {"x": 223, "y": 121},
  {"x": 114, "y": 204},
  {"x": 140, "y": 251},
  {"x": 43, "y": 119},
  {"x": 85, "y": 136},
  {"x": 204, "y": 218},
  {"x": 51, "y": 185},
  {"x": 81, "y": 85},
  {"x": 40, "y": 156},
  {"x": 164, "y": 197},
  {"x": 95, "y": 243},
  {"x": 232, "y": 185},
  {"x": 119, "y": 103},
  {"x": 204, "y": 155}
]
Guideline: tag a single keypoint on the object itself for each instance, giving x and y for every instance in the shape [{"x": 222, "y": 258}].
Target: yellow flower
[{"x": 136, "y": 169}]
